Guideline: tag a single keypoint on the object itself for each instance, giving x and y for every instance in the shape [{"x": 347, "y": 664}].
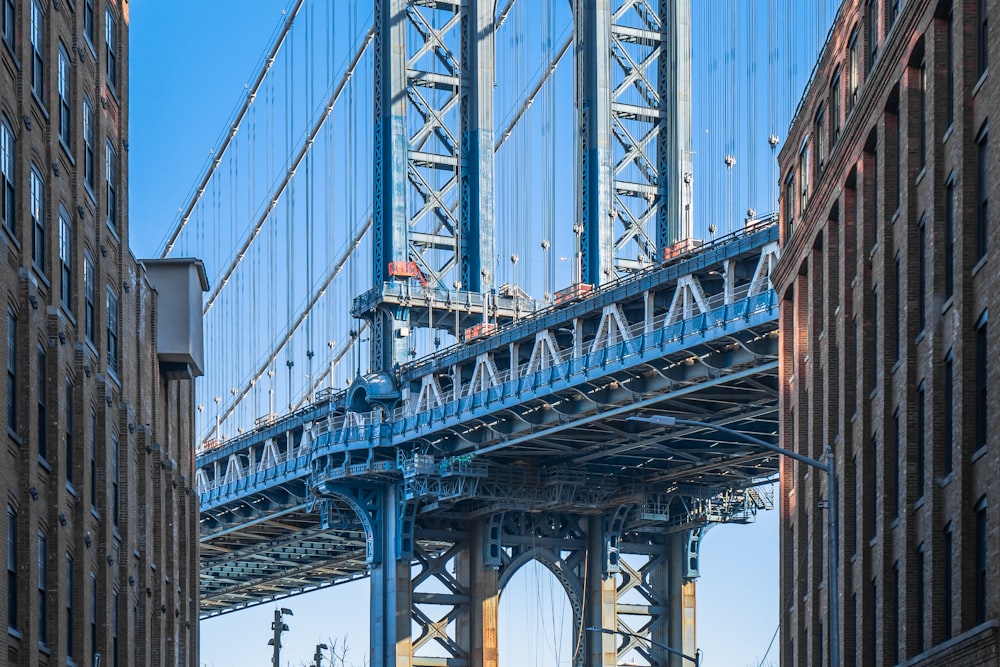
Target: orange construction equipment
[
  {"x": 573, "y": 293},
  {"x": 480, "y": 330},
  {"x": 406, "y": 270},
  {"x": 682, "y": 247}
]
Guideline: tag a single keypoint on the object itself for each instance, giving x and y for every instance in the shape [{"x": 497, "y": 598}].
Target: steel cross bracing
[
  {"x": 433, "y": 208},
  {"x": 532, "y": 419},
  {"x": 634, "y": 114}
]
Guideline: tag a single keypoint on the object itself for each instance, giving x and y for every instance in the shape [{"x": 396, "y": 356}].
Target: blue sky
[{"x": 189, "y": 64}]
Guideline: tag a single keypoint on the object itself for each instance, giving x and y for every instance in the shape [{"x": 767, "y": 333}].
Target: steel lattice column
[
  {"x": 593, "y": 46},
  {"x": 433, "y": 197},
  {"x": 477, "y": 627},
  {"x": 634, "y": 113},
  {"x": 391, "y": 590},
  {"x": 389, "y": 214},
  {"x": 601, "y": 609},
  {"x": 477, "y": 237}
]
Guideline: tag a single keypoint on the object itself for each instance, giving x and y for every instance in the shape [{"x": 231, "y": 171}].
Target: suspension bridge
[{"x": 458, "y": 261}]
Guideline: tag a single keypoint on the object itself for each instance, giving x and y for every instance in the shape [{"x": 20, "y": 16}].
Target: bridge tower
[{"x": 434, "y": 231}]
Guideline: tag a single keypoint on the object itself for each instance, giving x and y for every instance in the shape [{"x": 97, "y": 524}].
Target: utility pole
[{"x": 278, "y": 625}]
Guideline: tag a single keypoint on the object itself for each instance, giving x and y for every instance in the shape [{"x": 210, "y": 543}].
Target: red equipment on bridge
[{"x": 406, "y": 270}]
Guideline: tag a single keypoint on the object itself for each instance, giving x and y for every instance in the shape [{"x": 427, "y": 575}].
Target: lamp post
[
  {"x": 318, "y": 657},
  {"x": 833, "y": 509},
  {"x": 278, "y": 625},
  {"x": 696, "y": 658}
]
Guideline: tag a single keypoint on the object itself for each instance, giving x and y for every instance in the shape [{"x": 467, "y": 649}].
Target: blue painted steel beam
[
  {"x": 477, "y": 219},
  {"x": 674, "y": 157},
  {"x": 593, "y": 63}
]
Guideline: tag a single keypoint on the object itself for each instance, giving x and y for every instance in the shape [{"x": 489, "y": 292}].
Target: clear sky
[{"x": 189, "y": 64}]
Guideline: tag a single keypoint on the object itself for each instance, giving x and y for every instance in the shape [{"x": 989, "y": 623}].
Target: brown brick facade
[
  {"x": 97, "y": 465},
  {"x": 886, "y": 295}
]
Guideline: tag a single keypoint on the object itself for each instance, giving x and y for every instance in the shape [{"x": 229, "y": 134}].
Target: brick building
[
  {"x": 97, "y": 467},
  {"x": 889, "y": 269}
]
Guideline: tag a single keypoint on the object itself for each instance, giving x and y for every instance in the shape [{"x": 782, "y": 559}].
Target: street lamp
[
  {"x": 696, "y": 658},
  {"x": 279, "y": 626},
  {"x": 833, "y": 510},
  {"x": 318, "y": 657}
]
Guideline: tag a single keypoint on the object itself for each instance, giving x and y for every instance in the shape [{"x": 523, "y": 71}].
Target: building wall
[
  {"x": 884, "y": 292},
  {"x": 98, "y": 453}
]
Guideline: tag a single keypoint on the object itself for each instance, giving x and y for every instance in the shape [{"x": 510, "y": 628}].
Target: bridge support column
[
  {"x": 391, "y": 592},
  {"x": 601, "y": 598},
  {"x": 477, "y": 626},
  {"x": 682, "y": 601}
]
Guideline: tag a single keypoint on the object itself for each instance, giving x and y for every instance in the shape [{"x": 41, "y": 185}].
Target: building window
[
  {"x": 112, "y": 315},
  {"x": 897, "y": 306},
  {"x": 88, "y": 297},
  {"x": 982, "y": 591},
  {"x": 789, "y": 204},
  {"x": 982, "y": 195},
  {"x": 873, "y": 647},
  {"x": 922, "y": 273},
  {"x": 949, "y": 239},
  {"x": 876, "y": 493},
  {"x": 922, "y": 120},
  {"x": 804, "y": 176},
  {"x": 982, "y": 38},
  {"x": 93, "y": 621},
  {"x": 898, "y": 162},
  {"x": 11, "y": 567},
  {"x": 65, "y": 260},
  {"x": 876, "y": 347},
  {"x": 111, "y": 48},
  {"x": 114, "y": 629},
  {"x": 64, "y": 97},
  {"x": 88, "y": 22},
  {"x": 112, "y": 176},
  {"x": 89, "y": 170},
  {"x": 9, "y": 23},
  {"x": 920, "y": 594},
  {"x": 894, "y": 469},
  {"x": 893, "y": 636},
  {"x": 114, "y": 479},
  {"x": 36, "y": 202},
  {"x": 93, "y": 460},
  {"x": 11, "y": 371},
  {"x": 7, "y": 167},
  {"x": 820, "y": 139},
  {"x": 950, "y": 69},
  {"x": 892, "y": 13},
  {"x": 68, "y": 444},
  {"x": 43, "y": 590},
  {"x": 871, "y": 33},
  {"x": 41, "y": 385},
  {"x": 948, "y": 441},
  {"x": 835, "y": 108},
  {"x": 37, "y": 49},
  {"x": 982, "y": 375},
  {"x": 946, "y": 579},
  {"x": 853, "y": 70},
  {"x": 921, "y": 439},
  {"x": 69, "y": 605}
]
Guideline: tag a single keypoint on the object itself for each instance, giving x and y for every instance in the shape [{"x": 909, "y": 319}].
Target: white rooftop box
[{"x": 179, "y": 284}]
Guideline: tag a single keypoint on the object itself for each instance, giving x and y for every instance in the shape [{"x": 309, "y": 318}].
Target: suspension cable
[{"x": 233, "y": 129}]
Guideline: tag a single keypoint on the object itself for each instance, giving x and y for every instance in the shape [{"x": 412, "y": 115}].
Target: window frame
[
  {"x": 982, "y": 194},
  {"x": 65, "y": 259},
  {"x": 41, "y": 392},
  {"x": 8, "y": 171},
  {"x": 12, "y": 387},
  {"x": 36, "y": 33},
  {"x": 43, "y": 589},
  {"x": 89, "y": 156},
  {"x": 12, "y": 581},
  {"x": 8, "y": 24},
  {"x": 89, "y": 299},
  {"x": 36, "y": 211},
  {"x": 65, "y": 92},
  {"x": 112, "y": 330},
  {"x": 111, "y": 49},
  {"x": 111, "y": 175},
  {"x": 981, "y": 388}
]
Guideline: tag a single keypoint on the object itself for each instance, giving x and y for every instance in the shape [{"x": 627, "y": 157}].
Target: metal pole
[
  {"x": 833, "y": 509},
  {"x": 833, "y": 526},
  {"x": 276, "y": 627}
]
